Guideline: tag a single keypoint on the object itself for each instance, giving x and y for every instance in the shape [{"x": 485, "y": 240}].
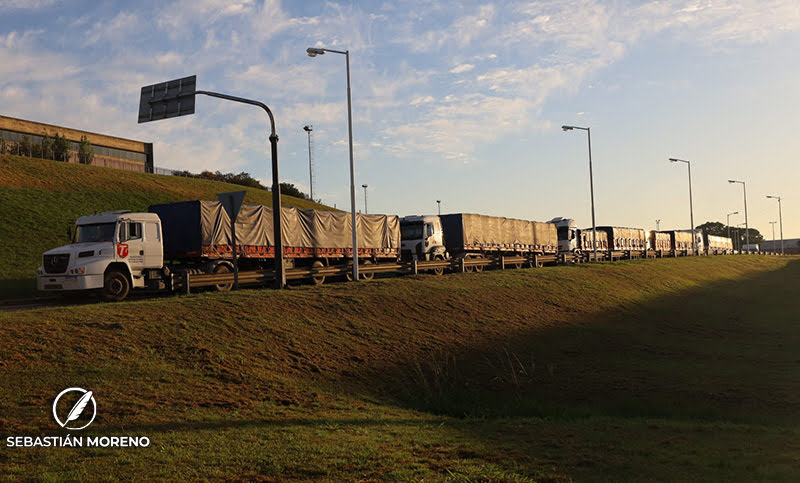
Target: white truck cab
[
  {"x": 422, "y": 238},
  {"x": 568, "y": 234},
  {"x": 111, "y": 252}
]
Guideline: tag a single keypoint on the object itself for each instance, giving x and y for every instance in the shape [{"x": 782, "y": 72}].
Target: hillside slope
[
  {"x": 40, "y": 199},
  {"x": 670, "y": 370}
]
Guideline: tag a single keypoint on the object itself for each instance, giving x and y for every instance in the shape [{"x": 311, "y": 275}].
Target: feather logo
[{"x": 77, "y": 410}]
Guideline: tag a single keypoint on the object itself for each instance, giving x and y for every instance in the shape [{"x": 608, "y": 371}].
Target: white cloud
[
  {"x": 122, "y": 26},
  {"x": 459, "y": 34},
  {"x": 454, "y": 127},
  {"x": 419, "y": 100},
  {"x": 26, "y": 4},
  {"x": 462, "y": 68}
]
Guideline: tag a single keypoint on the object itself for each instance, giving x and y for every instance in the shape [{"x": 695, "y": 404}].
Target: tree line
[
  {"x": 738, "y": 235},
  {"x": 55, "y": 148},
  {"x": 243, "y": 179}
]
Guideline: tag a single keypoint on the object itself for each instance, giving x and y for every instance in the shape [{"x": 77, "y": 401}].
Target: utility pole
[
  {"x": 439, "y": 206},
  {"x": 366, "y": 210},
  {"x": 308, "y": 130},
  {"x": 773, "y": 235},
  {"x": 658, "y": 225}
]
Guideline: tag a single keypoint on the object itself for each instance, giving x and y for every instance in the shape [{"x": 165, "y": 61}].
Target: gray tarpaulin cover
[
  {"x": 719, "y": 242},
  {"x": 191, "y": 224},
  {"x": 621, "y": 238},
  {"x": 466, "y": 229}
]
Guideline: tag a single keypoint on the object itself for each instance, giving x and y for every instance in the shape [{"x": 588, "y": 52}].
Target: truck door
[
  {"x": 131, "y": 244},
  {"x": 153, "y": 248}
]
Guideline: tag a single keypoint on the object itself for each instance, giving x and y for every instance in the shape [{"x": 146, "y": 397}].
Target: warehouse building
[
  {"x": 791, "y": 246},
  {"x": 109, "y": 151}
]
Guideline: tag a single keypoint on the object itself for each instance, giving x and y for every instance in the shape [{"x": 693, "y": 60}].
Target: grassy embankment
[
  {"x": 675, "y": 369},
  {"x": 40, "y": 199}
]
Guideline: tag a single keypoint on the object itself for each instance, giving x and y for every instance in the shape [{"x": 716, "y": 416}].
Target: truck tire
[
  {"x": 367, "y": 275},
  {"x": 116, "y": 286},
  {"x": 438, "y": 271},
  {"x": 318, "y": 279},
  {"x": 223, "y": 268}
]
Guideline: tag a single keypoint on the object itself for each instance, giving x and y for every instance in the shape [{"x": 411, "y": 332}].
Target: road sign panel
[{"x": 168, "y": 99}]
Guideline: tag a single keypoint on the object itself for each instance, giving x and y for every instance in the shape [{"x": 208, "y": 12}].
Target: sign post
[
  {"x": 177, "y": 98},
  {"x": 232, "y": 203}
]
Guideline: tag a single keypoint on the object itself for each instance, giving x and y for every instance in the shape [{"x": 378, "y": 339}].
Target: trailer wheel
[
  {"x": 223, "y": 268},
  {"x": 367, "y": 275},
  {"x": 116, "y": 286},
  {"x": 318, "y": 279},
  {"x": 438, "y": 271},
  {"x": 479, "y": 268}
]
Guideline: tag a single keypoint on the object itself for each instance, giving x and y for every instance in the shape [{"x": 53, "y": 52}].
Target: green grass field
[
  {"x": 673, "y": 369},
  {"x": 40, "y": 199}
]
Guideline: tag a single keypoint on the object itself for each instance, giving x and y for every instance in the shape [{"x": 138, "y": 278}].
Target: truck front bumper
[{"x": 52, "y": 283}]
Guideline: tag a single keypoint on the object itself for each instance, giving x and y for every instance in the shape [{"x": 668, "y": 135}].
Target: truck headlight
[{"x": 78, "y": 271}]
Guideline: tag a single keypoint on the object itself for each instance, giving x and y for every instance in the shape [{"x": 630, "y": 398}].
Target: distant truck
[
  {"x": 611, "y": 241},
  {"x": 718, "y": 245},
  {"x": 114, "y": 252},
  {"x": 751, "y": 248},
  {"x": 468, "y": 236}
]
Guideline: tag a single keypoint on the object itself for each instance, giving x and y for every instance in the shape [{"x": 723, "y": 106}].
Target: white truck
[
  {"x": 111, "y": 252},
  {"x": 115, "y": 252}
]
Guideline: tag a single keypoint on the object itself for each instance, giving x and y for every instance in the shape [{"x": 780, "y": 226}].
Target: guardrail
[{"x": 185, "y": 281}]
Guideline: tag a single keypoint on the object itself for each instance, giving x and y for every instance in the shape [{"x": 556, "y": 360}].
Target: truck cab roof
[
  {"x": 419, "y": 218},
  {"x": 113, "y": 216}
]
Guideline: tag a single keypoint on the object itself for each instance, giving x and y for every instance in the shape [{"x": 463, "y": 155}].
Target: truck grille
[{"x": 56, "y": 263}]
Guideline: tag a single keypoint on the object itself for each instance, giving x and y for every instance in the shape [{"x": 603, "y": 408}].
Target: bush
[{"x": 85, "y": 152}]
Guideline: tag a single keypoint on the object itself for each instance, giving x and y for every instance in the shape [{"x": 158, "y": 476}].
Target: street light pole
[
  {"x": 308, "y": 130},
  {"x": 439, "y": 206},
  {"x": 313, "y": 52},
  {"x": 780, "y": 217},
  {"x": 739, "y": 236},
  {"x": 773, "y": 235},
  {"x": 591, "y": 184},
  {"x": 366, "y": 210},
  {"x": 746, "y": 225},
  {"x": 691, "y": 208},
  {"x": 728, "y": 222},
  {"x": 658, "y": 225}
]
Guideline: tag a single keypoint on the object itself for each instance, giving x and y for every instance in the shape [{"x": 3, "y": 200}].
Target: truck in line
[
  {"x": 467, "y": 236},
  {"x": 115, "y": 252}
]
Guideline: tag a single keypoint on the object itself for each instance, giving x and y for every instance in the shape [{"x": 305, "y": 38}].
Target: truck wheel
[
  {"x": 367, "y": 275},
  {"x": 115, "y": 286},
  {"x": 223, "y": 268},
  {"x": 438, "y": 271},
  {"x": 479, "y": 268},
  {"x": 318, "y": 279}
]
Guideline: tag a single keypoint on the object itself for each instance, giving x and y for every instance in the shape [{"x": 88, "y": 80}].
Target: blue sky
[{"x": 459, "y": 102}]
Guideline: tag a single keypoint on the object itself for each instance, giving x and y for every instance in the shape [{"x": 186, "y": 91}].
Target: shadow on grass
[
  {"x": 728, "y": 351},
  {"x": 17, "y": 288}
]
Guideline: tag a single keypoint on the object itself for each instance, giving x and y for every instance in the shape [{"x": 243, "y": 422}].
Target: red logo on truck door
[{"x": 122, "y": 250}]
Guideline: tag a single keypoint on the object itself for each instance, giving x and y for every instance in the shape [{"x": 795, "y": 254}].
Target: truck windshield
[
  {"x": 412, "y": 231},
  {"x": 97, "y": 232}
]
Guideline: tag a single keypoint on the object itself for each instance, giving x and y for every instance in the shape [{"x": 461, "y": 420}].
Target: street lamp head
[
  {"x": 308, "y": 128},
  {"x": 313, "y": 52},
  {"x": 773, "y": 197},
  {"x": 673, "y": 160},
  {"x": 364, "y": 186},
  {"x": 567, "y": 128}
]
